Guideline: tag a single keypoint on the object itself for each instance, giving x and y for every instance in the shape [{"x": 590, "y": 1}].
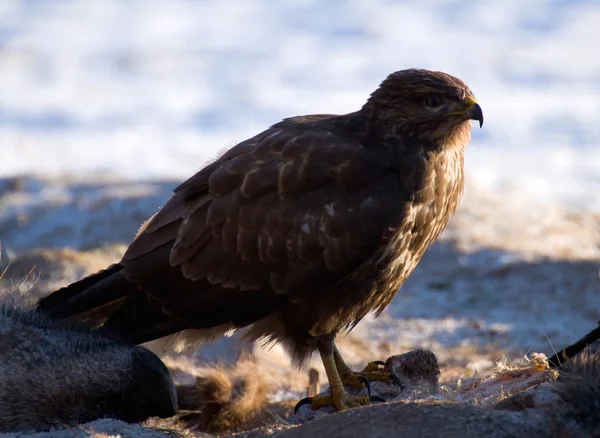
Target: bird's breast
[{"x": 422, "y": 219}]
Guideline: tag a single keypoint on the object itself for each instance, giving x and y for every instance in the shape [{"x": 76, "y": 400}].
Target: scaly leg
[
  {"x": 370, "y": 372},
  {"x": 338, "y": 396}
]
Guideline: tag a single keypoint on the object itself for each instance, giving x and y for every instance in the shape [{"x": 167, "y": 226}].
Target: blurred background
[
  {"x": 106, "y": 105},
  {"x": 147, "y": 88}
]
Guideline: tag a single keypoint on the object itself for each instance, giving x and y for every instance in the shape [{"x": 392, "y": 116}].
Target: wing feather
[{"x": 290, "y": 209}]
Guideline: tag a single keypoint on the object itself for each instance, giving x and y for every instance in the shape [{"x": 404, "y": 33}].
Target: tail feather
[
  {"x": 60, "y": 297},
  {"x": 87, "y": 294},
  {"x": 137, "y": 321},
  {"x": 112, "y": 304}
]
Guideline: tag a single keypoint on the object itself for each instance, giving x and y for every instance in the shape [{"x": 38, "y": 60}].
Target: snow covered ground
[{"x": 147, "y": 88}]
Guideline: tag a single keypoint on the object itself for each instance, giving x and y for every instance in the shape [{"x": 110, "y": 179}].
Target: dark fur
[
  {"x": 578, "y": 388},
  {"x": 298, "y": 232},
  {"x": 54, "y": 374}
]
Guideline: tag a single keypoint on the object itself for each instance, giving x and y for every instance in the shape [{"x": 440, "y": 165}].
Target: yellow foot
[
  {"x": 339, "y": 403},
  {"x": 342, "y": 401},
  {"x": 371, "y": 372}
]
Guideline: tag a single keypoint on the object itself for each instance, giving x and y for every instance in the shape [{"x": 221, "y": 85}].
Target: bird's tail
[
  {"x": 112, "y": 304},
  {"x": 93, "y": 292}
]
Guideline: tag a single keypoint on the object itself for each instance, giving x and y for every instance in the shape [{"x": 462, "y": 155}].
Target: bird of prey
[{"x": 296, "y": 233}]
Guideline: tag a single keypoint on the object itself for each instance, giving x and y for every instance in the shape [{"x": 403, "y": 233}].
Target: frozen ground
[{"x": 147, "y": 88}]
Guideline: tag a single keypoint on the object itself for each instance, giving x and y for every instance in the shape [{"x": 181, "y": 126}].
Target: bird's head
[{"x": 427, "y": 105}]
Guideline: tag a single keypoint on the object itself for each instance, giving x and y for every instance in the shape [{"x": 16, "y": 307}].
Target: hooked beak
[{"x": 473, "y": 110}]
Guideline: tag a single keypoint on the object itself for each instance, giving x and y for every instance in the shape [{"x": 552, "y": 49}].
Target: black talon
[
  {"x": 376, "y": 398},
  {"x": 379, "y": 362},
  {"x": 373, "y": 398},
  {"x": 304, "y": 401},
  {"x": 366, "y": 382}
]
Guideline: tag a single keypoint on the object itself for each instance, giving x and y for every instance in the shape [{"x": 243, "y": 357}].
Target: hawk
[{"x": 296, "y": 233}]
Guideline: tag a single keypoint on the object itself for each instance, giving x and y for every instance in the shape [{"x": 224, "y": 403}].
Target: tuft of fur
[
  {"x": 54, "y": 374},
  {"x": 578, "y": 388},
  {"x": 227, "y": 399}
]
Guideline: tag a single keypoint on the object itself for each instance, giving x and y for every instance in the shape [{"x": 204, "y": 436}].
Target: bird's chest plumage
[
  {"x": 421, "y": 220},
  {"x": 423, "y": 209}
]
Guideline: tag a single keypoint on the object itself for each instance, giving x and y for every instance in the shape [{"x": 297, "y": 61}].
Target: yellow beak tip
[{"x": 469, "y": 102}]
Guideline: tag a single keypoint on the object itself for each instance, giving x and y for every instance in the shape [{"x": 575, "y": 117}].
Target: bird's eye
[{"x": 434, "y": 101}]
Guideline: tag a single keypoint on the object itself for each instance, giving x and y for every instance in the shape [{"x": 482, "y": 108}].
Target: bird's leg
[
  {"x": 370, "y": 372},
  {"x": 338, "y": 397}
]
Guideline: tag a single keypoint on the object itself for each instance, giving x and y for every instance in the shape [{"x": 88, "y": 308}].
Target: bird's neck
[{"x": 408, "y": 151}]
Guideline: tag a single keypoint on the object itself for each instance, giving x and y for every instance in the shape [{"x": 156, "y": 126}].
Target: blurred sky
[{"x": 147, "y": 89}]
